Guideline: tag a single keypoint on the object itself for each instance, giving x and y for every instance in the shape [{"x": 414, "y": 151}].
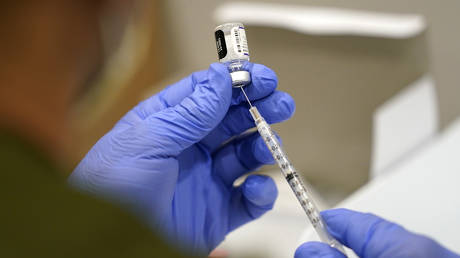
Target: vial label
[
  {"x": 240, "y": 42},
  {"x": 221, "y": 44}
]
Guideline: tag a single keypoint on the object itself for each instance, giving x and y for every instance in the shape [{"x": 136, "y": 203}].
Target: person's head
[{"x": 50, "y": 50}]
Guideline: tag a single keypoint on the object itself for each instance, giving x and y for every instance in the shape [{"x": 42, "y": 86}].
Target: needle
[{"x": 250, "y": 104}]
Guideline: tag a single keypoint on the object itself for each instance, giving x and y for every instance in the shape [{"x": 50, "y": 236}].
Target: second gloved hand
[
  {"x": 166, "y": 159},
  {"x": 373, "y": 237}
]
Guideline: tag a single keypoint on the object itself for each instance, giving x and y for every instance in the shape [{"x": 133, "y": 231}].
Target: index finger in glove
[
  {"x": 277, "y": 107},
  {"x": 263, "y": 82}
]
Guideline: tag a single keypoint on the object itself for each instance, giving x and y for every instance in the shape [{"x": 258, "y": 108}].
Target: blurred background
[{"x": 374, "y": 81}]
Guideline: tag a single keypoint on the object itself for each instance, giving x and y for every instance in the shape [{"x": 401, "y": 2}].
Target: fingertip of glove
[
  {"x": 218, "y": 67},
  {"x": 337, "y": 219},
  {"x": 262, "y": 75},
  {"x": 279, "y": 107},
  {"x": 327, "y": 214},
  {"x": 288, "y": 103},
  {"x": 260, "y": 190},
  {"x": 313, "y": 249},
  {"x": 220, "y": 82},
  {"x": 220, "y": 71},
  {"x": 262, "y": 153}
]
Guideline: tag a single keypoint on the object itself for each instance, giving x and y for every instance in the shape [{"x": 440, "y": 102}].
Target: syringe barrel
[{"x": 295, "y": 182}]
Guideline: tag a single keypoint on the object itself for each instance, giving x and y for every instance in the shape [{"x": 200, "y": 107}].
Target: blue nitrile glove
[
  {"x": 371, "y": 236},
  {"x": 165, "y": 159}
]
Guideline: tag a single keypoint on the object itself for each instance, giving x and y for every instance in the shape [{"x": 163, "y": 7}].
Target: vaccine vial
[{"x": 233, "y": 51}]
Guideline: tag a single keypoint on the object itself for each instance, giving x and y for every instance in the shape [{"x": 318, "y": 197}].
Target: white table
[{"x": 422, "y": 192}]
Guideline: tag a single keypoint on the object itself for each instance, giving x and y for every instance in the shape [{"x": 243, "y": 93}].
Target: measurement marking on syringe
[{"x": 293, "y": 179}]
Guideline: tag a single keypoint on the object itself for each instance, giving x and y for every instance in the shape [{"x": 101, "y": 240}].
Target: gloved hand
[
  {"x": 371, "y": 236},
  {"x": 165, "y": 159}
]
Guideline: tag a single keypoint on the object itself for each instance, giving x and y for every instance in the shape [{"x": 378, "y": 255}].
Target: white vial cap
[{"x": 240, "y": 78}]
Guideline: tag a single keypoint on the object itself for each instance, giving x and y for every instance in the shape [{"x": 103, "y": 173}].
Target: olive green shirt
[{"x": 41, "y": 217}]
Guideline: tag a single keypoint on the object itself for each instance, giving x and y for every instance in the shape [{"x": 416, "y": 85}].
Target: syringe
[
  {"x": 292, "y": 177},
  {"x": 233, "y": 51}
]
